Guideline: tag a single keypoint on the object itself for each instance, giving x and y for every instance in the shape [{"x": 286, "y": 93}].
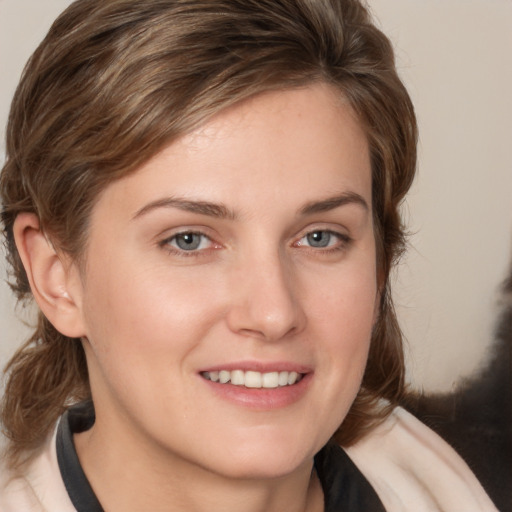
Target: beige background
[{"x": 454, "y": 56}]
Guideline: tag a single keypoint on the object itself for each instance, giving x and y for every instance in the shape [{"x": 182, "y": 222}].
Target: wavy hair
[{"x": 115, "y": 81}]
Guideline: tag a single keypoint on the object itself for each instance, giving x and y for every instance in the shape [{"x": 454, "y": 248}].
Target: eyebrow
[
  {"x": 334, "y": 202},
  {"x": 221, "y": 211},
  {"x": 200, "y": 207}
]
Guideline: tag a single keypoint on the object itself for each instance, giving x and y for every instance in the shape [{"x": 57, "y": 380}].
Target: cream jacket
[{"x": 410, "y": 467}]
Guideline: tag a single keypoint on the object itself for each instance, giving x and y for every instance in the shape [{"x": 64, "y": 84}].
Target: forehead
[{"x": 292, "y": 143}]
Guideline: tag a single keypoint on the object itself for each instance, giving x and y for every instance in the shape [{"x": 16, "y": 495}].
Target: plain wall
[{"x": 454, "y": 56}]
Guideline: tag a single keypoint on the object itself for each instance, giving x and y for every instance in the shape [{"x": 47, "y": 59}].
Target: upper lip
[{"x": 259, "y": 366}]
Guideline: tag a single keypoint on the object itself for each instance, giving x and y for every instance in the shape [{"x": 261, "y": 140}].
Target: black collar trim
[
  {"x": 345, "y": 487},
  {"x": 78, "y": 418}
]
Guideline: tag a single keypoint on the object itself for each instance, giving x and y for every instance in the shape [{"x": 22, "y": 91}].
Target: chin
[
  {"x": 265, "y": 457},
  {"x": 264, "y": 468}
]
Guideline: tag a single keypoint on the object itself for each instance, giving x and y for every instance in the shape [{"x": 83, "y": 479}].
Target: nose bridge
[{"x": 266, "y": 303}]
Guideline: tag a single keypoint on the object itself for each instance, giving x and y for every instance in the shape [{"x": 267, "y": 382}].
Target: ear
[{"x": 54, "y": 281}]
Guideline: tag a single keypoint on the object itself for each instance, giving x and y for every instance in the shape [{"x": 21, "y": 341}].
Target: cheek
[
  {"x": 343, "y": 314},
  {"x": 341, "y": 317},
  {"x": 149, "y": 310},
  {"x": 142, "y": 329},
  {"x": 345, "y": 297}
]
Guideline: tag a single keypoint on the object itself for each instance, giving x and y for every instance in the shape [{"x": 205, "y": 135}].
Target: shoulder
[
  {"x": 38, "y": 487},
  {"x": 412, "y": 468},
  {"x": 16, "y": 494}
]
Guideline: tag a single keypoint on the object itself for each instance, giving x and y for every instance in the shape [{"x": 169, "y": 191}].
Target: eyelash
[{"x": 343, "y": 242}]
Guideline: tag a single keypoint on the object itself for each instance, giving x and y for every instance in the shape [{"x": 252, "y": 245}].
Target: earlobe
[{"x": 55, "y": 284}]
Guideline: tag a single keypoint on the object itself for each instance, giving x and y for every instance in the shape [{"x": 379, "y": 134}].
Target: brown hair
[{"x": 115, "y": 81}]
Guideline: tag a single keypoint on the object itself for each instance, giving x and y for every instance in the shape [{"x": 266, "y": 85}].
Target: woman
[{"x": 202, "y": 198}]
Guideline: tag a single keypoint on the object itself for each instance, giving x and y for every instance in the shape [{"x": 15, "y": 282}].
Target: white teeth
[
  {"x": 251, "y": 379},
  {"x": 237, "y": 377},
  {"x": 224, "y": 376},
  {"x": 292, "y": 377},
  {"x": 270, "y": 380},
  {"x": 283, "y": 379}
]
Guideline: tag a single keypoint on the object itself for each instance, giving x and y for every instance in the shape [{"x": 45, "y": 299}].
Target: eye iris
[
  {"x": 319, "y": 239},
  {"x": 188, "y": 241}
]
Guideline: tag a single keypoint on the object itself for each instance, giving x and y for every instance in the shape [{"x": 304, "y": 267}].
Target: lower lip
[{"x": 263, "y": 399}]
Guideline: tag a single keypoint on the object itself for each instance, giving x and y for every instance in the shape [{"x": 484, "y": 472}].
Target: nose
[{"x": 266, "y": 300}]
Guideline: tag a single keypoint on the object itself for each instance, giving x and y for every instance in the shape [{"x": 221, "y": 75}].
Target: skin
[{"x": 257, "y": 292}]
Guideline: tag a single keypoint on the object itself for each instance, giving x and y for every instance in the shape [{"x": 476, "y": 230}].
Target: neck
[{"x": 128, "y": 476}]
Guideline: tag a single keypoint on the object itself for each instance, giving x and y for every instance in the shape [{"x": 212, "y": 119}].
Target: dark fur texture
[{"x": 477, "y": 418}]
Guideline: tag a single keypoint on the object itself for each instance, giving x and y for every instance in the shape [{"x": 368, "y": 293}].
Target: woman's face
[{"x": 229, "y": 291}]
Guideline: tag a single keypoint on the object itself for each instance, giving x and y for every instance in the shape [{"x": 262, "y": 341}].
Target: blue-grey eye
[
  {"x": 188, "y": 241},
  {"x": 320, "y": 239}
]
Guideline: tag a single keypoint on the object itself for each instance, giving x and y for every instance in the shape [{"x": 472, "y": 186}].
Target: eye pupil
[
  {"x": 319, "y": 238},
  {"x": 188, "y": 241}
]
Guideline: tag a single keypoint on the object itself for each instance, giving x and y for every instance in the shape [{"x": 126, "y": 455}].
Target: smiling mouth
[{"x": 252, "y": 379}]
